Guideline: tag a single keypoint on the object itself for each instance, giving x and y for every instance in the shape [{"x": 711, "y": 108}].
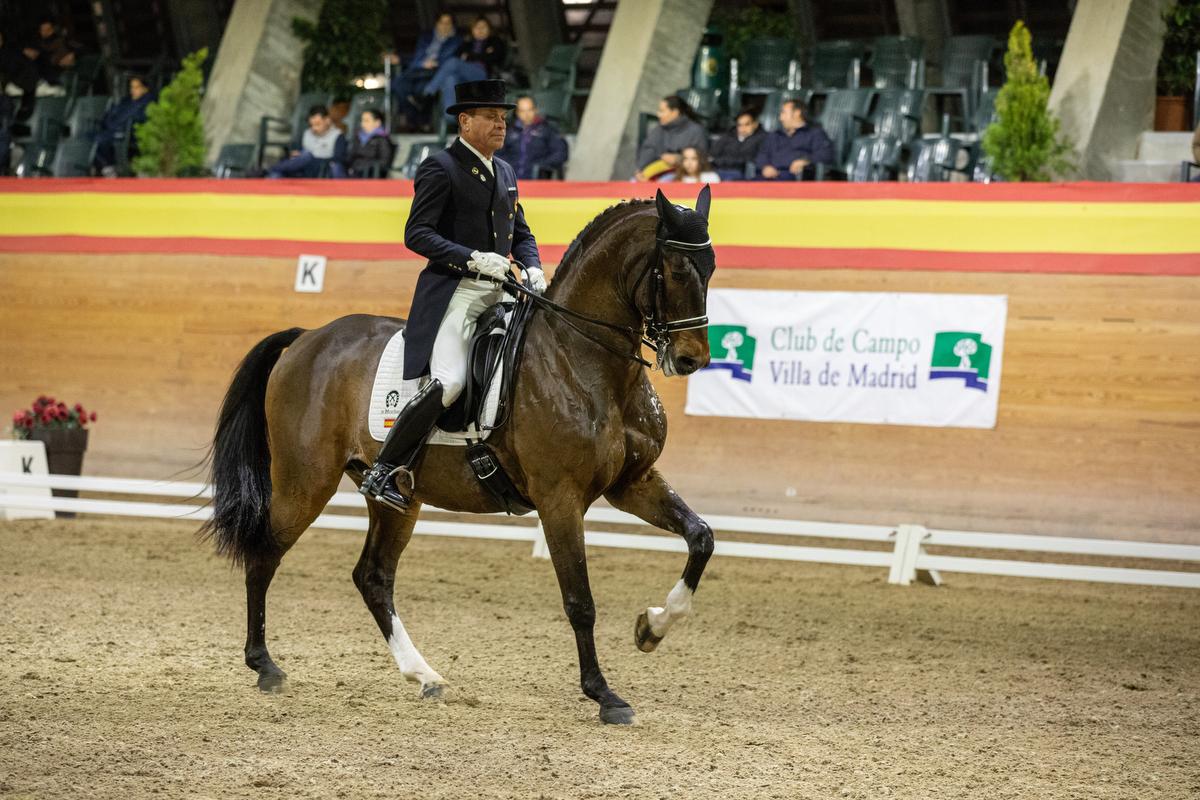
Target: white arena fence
[{"x": 906, "y": 560}]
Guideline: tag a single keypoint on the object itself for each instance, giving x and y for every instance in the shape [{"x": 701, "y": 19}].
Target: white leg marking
[
  {"x": 411, "y": 662},
  {"x": 679, "y": 605}
]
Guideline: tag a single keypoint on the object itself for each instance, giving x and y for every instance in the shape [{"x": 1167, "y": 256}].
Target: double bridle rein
[{"x": 655, "y": 332}]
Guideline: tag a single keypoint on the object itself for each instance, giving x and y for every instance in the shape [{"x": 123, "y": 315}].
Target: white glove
[
  {"x": 536, "y": 279},
  {"x": 493, "y": 265}
]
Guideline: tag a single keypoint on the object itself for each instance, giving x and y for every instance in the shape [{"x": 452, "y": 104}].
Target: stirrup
[{"x": 384, "y": 487}]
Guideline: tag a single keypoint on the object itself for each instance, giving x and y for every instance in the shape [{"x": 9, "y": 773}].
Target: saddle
[
  {"x": 495, "y": 355},
  {"x": 484, "y": 405}
]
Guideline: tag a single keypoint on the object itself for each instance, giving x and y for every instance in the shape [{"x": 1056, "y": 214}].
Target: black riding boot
[{"x": 401, "y": 447}]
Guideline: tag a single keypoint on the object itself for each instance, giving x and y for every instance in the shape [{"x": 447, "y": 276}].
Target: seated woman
[
  {"x": 119, "y": 122},
  {"x": 480, "y": 57},
  {"x": 693, "y": 167},
  {"x": 370, "y": 153},
  {"x": 677, "y": 128}
]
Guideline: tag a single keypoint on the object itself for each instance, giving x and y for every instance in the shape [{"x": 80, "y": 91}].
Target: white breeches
[{"x": 448, "y": 363}]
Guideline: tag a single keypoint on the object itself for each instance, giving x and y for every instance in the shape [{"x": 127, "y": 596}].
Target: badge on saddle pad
[{"x": 391, "y": 392}]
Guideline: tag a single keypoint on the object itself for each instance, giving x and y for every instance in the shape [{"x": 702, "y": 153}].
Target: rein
[{"x": 655, "y": 334}]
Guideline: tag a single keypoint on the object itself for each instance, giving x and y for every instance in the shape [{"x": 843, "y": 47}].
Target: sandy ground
[{"x": 121, "y": 676}]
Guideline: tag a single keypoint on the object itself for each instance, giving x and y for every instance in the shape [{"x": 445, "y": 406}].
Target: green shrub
[
  {"x": 741, "y": 25},
  {"x": 1177, "y": 65},
  {"x": 346, "y": 41},
  {"x": 171, "y": 140},
  {"x": 1024, "y": 143}
]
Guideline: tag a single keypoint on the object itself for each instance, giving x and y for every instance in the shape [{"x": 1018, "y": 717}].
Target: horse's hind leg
[
  {"x": 388, "y": 533},
  {"x": 294, "y": 506},
  {"x": 652, "y": 499}
]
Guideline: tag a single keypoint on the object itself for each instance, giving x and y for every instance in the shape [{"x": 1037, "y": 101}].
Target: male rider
[{"x": 466, "y": 220}]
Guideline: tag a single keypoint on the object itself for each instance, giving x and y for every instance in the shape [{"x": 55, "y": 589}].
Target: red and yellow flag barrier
[{"x": 1079, "y": 227}]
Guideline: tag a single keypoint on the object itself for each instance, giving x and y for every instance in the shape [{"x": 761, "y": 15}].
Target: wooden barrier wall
[{"x": 1098, "y": 429}]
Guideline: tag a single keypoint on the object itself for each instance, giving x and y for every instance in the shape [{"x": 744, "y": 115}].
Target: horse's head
[{"x": 678, "y": 305}]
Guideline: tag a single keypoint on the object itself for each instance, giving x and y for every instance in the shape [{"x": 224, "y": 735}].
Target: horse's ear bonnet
[{"x": 681, "y": 224}]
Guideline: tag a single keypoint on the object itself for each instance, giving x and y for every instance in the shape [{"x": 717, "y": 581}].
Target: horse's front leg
[
  {"x": 653, "y": 500},
  {"x": 564, "y": 537}
]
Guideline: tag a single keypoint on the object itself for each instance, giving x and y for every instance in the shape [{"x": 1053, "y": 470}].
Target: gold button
[
  {"x": 510, "y": 236},
  {"x": 510, "y": 216}
]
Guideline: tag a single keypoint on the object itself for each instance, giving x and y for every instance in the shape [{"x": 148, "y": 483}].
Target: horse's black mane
[{"x": 569, "y": 257}]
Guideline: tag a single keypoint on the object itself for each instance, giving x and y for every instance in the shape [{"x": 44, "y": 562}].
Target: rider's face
[{"x": 483, "y": 128}]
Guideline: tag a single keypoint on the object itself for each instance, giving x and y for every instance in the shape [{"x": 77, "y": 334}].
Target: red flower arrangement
[{"x": 46, "y": 412}]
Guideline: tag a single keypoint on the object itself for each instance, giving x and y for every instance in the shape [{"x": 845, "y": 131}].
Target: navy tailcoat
[{"x": 458, "y": 207}]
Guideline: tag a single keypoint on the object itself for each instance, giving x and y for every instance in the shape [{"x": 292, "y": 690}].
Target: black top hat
[{"x": 479, "y": 94}]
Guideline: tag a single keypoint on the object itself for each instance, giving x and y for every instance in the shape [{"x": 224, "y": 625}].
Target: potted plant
[
  {"x": 1025, "y": 142},
  {"x": 171, "y": 140},
  {"x": 1177, "y": 66},
  {"x": 63, "y": 430}
]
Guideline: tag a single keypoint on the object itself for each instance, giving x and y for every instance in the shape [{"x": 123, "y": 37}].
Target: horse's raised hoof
[
  {"x": 616, "y": 715},
  {"x": 643, "y": 637},
  {"x": 433, "y": 691},
  {"x": 272, "y": 682}
]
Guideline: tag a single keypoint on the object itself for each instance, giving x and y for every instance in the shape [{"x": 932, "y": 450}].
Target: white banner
[{"x": 900, "y": 359}]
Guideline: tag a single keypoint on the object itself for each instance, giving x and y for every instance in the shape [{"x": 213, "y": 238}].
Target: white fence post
[
  {"x": 540, "y": 548},
  {"x": 904, "y": 561}
]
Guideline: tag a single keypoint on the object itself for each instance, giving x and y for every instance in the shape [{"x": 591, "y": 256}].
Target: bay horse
[{"x": 587, "y": 424}]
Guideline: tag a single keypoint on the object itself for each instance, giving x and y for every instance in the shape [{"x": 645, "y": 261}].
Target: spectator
[
  {"x": 17, "y": 69},
  {"x": 676, "y": 129},
  {"x": 7, "y": 114},
  {"x": 737, "y": 148},
  {"x": 532, "y": 144},
  {"x": 789, "y": 154},
  {"x": 693, "y": 167},
  {"x": 370, "y": 153},
  {"x": 434, "y": 48},
  {"x": 321, "y": 145},
  {"x": 478, "y": 58},
  {"x": 119, "y": 122},
  {"x": 1196, "y": 150},
  {"x": 51, "y": 53}
]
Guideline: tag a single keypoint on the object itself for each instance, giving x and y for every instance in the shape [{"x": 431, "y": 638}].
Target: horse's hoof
[
  {"x": 272, "y": 682},
  {"x": 616, "y": 715},
  {"x": 643, "y": 637},
  {"x": 433, "y": 691}
]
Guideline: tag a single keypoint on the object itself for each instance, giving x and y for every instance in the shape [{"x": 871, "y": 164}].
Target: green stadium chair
[
  {"x": 555, "y": 105},
  {"x": 707, "y": 103},
  {"x": 418, "y": 152},
  {"x": 897, "y": 113},
  {"x": 836, "y": 64},
  {"x": 73, "y": 158},
  {"x": 235, "y": 161},
  {"x": 842, "y": 117},
  {"x": 769, "y": 64},
  {"x": 964, "y": 70},
  {"x": 45, "y": 124},
  {"x": 560, "y": 69},
  {"x": 86, "y": 114},
  {"x": 873, "y": 158},
  {"x": 939, "y": 159},
  {"x": 897, "y": 62},
  {"x": 36, "y": 161}
]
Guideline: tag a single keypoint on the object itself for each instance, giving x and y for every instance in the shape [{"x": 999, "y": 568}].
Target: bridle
[{"x": 655, "y": 332}]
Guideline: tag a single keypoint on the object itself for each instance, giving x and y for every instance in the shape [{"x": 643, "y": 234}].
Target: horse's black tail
[{"x": 241, "y": 459}]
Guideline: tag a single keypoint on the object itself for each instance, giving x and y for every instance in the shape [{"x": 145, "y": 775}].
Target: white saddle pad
[{"x": 391, "y": 393}]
